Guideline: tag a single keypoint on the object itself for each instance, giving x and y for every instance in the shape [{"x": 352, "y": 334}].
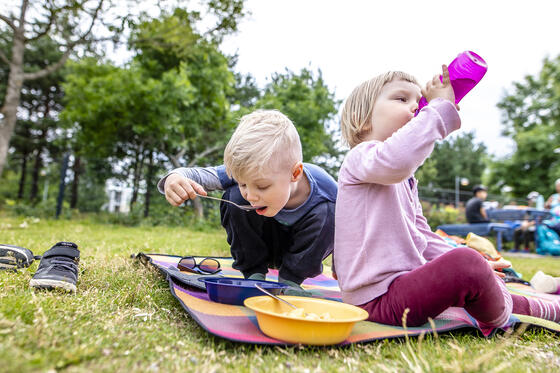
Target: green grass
[{"x": 123, "y": 317}]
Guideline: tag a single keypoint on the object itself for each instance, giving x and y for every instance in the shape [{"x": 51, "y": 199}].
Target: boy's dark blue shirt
[{"x": 323, "y": 189}]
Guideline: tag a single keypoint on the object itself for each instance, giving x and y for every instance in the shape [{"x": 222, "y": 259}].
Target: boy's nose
[
  {"x": 414, "y": 107},
  {"x": 251, "y": 196}
]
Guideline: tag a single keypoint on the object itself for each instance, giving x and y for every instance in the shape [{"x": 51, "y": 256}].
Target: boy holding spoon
[{"x": 292, "y": 227}]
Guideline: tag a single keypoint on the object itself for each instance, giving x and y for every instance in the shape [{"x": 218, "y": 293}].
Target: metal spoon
[
  {"x": 278, "y": 298},
  {"x": 242, "y": 207}
]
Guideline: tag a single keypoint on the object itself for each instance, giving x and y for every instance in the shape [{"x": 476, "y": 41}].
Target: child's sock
[
  {"x": 545, "y": 283},
  {"x": 545, "y": 310},
  {"x": 537, "y": 308}
]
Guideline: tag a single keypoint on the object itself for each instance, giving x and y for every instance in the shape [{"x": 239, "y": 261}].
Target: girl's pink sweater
[{"x": 380, "y": 231}]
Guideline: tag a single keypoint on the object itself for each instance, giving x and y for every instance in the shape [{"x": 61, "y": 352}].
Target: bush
[
  {"x": 443, "y": 214},
  {"x": 8, "y": 187},
  {"x": 43, "y": 209},
  {"x": 163, "y": 214}
]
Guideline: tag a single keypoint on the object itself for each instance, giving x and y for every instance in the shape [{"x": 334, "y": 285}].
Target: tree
[
  {"x": 307, "y": 101},
  {"x": 459, "y": 156},
  {"x": 121, "y": 114},
  {"x": 32, "y": 141},
  {"x": 427, "y": 173},
  {"x": 170, "y": 98},
  {"x": 42, "y": 99},
  {"x": 70, "y": 23},
  {"x": 531, "y": 117},
  {"x": 169, "y": 45},
  {"x": 128, "y": 114}
]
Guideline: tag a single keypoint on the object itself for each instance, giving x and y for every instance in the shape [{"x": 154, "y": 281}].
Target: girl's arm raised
[{"x": 398, "y": 157}]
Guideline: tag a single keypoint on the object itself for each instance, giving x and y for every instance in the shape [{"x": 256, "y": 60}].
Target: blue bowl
[{"x": 232, "y": 290}]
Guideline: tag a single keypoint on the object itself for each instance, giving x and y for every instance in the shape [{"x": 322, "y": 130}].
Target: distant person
[
  {"x": 525, "y": 231},
  {"x": 536, "y": 200},
  {"x": 474, "y": 211},
  {"x": 553, "y": 202}
]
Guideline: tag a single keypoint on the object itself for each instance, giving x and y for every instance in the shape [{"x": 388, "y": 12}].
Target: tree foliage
[
  {"x": 458, "y": 156},
  {"x": 531, "y": 117},
  {"x": 306, "y": 99},
  {"x": 175, "y": 103},
  {"x": 169, "y": 105},
  {"x": 169, "y": 45},
  {"x": 81, "y": 27},
  {"x": 68, "y": 24}
]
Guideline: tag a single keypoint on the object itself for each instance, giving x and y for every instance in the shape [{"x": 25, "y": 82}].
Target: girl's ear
[{"x": 297, "y": 171}]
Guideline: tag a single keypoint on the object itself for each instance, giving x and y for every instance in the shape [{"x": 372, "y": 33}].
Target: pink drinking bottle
[{"x": 465, "y": 72}]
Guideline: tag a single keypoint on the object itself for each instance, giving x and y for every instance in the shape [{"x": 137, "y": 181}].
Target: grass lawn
[{"x": 123, "y": 317}]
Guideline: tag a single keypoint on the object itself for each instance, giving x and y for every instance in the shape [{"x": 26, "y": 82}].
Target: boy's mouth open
[{"x": 261, "y": 209}]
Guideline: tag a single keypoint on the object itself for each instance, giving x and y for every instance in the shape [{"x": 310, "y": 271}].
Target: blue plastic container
[{"x": 232, "y": 290}]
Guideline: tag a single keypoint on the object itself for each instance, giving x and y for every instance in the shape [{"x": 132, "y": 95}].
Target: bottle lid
[{"x": 476, "y": 59}]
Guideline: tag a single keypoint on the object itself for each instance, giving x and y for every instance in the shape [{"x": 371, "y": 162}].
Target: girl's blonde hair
[
  {"x": 263, "y": 140},
  {"x": 355, "y": 120}
]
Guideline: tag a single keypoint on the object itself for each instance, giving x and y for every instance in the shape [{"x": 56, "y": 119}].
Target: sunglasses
[{"x": 206, "y": 266}]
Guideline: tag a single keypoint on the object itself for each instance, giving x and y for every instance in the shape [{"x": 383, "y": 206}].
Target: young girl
[{"x": 386, "y": 257}]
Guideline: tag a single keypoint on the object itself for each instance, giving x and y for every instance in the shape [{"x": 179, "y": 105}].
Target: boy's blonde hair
[
  {"x": 355, "y": 120},
  {"x": 263, "y": 140}
]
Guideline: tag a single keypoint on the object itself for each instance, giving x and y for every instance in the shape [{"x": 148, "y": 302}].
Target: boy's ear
[{"x": 297, "y": 171}]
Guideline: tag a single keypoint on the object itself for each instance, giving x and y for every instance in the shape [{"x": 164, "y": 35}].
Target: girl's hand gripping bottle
[{"x": 465, "y": 72}]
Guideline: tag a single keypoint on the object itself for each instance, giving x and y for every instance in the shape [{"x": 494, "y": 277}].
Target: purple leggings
[{"x": 458, "y": 278}]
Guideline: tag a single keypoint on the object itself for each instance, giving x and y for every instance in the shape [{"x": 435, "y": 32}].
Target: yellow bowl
[{"x": 299, "y": 330}]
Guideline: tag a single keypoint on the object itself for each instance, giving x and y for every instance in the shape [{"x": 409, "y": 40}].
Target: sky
[{"x": 352, "y": 41}]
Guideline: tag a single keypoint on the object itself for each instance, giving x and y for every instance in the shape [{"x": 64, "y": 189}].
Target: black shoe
[
  {"x": 13, "y": 257},
  {"x": 58, "y": 268}
]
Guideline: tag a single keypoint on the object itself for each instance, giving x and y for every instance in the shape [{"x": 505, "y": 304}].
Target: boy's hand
[
  {"x": 178, "y": 189},
  {"x": 443, "y": 89}
]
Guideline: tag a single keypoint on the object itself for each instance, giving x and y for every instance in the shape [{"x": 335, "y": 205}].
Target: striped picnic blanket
[{"x": 239, "y": 324}]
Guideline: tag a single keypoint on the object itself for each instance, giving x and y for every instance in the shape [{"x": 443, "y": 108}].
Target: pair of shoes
[
  {"x": 58, "y": 268},
  {"x": 545, "y": 283},
  {"x": 14, "y": 257}
]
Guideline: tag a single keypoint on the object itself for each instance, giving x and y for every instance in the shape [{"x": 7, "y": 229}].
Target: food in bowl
[
  {"x": 276, "y": 320},
  {"x": 300, "y": 312}
]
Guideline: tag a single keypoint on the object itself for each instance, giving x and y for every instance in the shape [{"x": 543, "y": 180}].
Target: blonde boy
[{"x": 292, "y": 228}]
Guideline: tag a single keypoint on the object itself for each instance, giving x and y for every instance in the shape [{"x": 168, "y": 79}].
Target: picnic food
[
  {"x": 277, "y": 320},
  {"x": 300, "y": 313}
]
